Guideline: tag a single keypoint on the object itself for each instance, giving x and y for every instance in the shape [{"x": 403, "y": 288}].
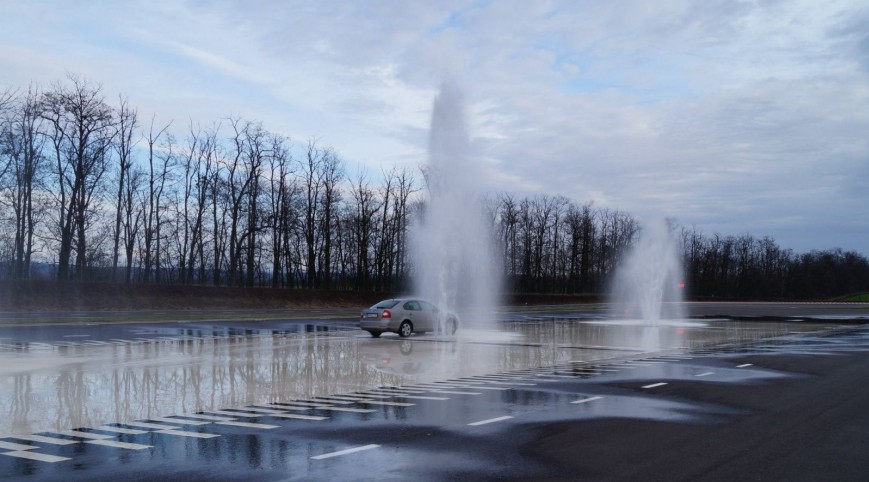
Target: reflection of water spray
[
  {"x": 646, "y": 284},
  {"x": 453, "y": 244}
]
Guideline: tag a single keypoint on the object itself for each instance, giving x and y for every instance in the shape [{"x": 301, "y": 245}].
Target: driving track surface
[{"x": 787, "y": 408}]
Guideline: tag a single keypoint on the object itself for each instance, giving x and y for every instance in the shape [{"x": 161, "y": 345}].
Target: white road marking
[
  {"x": 659, "y": 384},
  {"x": 178, "y": 420},
  {"x": 391, "y": 404},
  {"x": 46, "y": 440},
  {"x": 128, "y": 431},
  {"x": 307, "y": 404},
  {"x": 299, "y": 417},
  {"x": 421, "y": 397},
  {"x": 182, "y": 433},
  {"x": 513, "y": 383},
  {"x": 451, "y": 392},
  {"x": 343, "y": 399},
  {"x": 87, "y": 435},
  {"x": 35, "y": 456},
  {"x": 267, "y": 411},
  {"x": 345, "y": 452},
  {"x": 120, "y": 445},
  {"x": 704, "y": 374},
  {"x": 152, "y": 426},
  {"x": 335, "y": 400},
  {"x": 744, "y": 365},
  {"x": 397, "y": 389},
  {"x": 213, "y": 418},
  {"x": 491, "y": 420},
  {"x": 287, "y": 407},
  {"x": 15, "y": 446},
  {"x": 248, "y": 425},
  {"x": 353, "y": 410},
  {"x": 235, "y": 414},
  {"x": 589, "y": 399}
]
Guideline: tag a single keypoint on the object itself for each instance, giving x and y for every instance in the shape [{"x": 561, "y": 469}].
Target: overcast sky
[{"x": 735, "y": 117}]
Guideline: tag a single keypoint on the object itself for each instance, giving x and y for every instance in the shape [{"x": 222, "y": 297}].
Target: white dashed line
[
  {"x": 247, "y": 425},
  {"x": 206, "y": 417},
  {"x": 654, "y": 385},
  {"x": 391, "y": 404},
  {"x": 87, "y": 435},
  {"x": 35, "y": 456},
  {"x": 421, "y": 397},
  {"x": 15, "y": 446},
  {"x": 182, "y": 433},
  {"x": 589, "y": 399},
  {"x": 491, "y": 420},
  {"x": 704, "y": 374},
  {"x": 345, "y": 452},
  {"x": 179, "y": 420},
  {"x": 456, "y": 392},
  {"x": 744, "y": 365},
  {"x": 152, "y": 426},
  {"x": 128, "y": 431},
  {"x": 45, "y": 440},
  {"x": 299, "y": 417},
  {"x": 120, "y": 445}
]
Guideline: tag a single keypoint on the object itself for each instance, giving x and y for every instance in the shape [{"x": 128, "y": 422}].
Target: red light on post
[{"x": 681, "y": 286}]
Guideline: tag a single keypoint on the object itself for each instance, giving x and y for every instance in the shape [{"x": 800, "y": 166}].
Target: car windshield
[{"x": 385, "y": 305}]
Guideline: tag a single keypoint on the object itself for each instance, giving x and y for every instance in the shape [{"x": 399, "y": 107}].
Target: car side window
[
  {"x": 411, "y": 306},
  {"x": 429, "y": 307}
]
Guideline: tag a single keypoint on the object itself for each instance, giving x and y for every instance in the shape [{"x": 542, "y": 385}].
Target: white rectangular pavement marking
[
  {"x": 152, "y": 426},
  {"x": 286, "y": 407},
  {"x": 15, "y": 446},
  {"x": 46, "y": 440},
  {"x": 183, "y": 433},
  {"x": 35, "y": 456},
  {"x": 704, "y": 374},
  {"x": 451, "y": 392},
  {"x": 120, "y": 445},
  {"x": 589, "y": 399},
  {"x": 299, "y": 417},
  {"x": 248, "y": 425},
  {"x": 345, "y": 452},
  {"x": 268, "y": 411},
  {"x": 421, "y": 397},
  {"x": 391, "y": 404},
  {"x": 87, "y": 435},
  {"x": 235, "y": 414},
  {"x": 179, "y": 420},
  {"x": 659, "y": 384},
  {"x": 744, "y": 365},
  {"x": 491, "y": 420},
  {"x": 129, "y": 431},
  {"x": 213, "y": 418}
]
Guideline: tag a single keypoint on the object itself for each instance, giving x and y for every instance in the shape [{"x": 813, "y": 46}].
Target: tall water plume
[
  {"x": 453, "y": 243},
  {"x": 647, "y": 284}
]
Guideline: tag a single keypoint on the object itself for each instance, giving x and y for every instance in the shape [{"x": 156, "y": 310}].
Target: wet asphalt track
[{"x": 785, "y": 403}]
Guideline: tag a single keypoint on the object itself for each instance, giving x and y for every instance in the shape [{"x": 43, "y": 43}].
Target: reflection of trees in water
[{"x": 122, "y": 383}]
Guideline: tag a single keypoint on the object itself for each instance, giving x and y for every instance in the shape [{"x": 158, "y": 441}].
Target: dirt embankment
[{"x": 42, "y": 295}]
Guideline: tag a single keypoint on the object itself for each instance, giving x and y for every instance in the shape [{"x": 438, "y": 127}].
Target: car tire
[
  {"x": 375, "y": 334},
  {"x": 451, "y": 326},
  {"x": 405, "y": 329}
]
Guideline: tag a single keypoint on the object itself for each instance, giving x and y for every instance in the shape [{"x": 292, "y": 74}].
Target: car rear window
[{"x": 385, "y": 305}]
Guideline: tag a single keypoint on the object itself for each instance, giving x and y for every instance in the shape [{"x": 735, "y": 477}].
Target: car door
[
  {"x": 413, "y": 312},
  {"x": 431, "y": 315}
]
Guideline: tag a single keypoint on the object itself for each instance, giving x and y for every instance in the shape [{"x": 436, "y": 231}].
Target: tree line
[{"x": 89, "y": 191}]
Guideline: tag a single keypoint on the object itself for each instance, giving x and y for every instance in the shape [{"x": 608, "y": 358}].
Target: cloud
[{"x": 728, "y": 115}]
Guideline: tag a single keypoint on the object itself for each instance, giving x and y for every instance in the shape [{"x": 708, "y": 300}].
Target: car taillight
[{"x": 386, "y": 314}]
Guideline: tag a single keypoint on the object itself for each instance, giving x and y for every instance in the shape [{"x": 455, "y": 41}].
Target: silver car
[{"x": 406, "y": 316}]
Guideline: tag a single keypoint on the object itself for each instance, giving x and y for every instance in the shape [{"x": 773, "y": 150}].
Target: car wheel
[
  {"x": 375, "y": 334},
  {"x": 405, "y": 329},
  {"x": 452, "y": 325}
]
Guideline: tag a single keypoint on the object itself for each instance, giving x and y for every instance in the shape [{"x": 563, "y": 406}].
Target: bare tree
[
  {"x": 126, "y": 126},
  {"x": 81, "y": 131}
]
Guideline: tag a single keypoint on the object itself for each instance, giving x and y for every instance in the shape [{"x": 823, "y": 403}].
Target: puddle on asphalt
[{"x": 61, "y": 387}]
